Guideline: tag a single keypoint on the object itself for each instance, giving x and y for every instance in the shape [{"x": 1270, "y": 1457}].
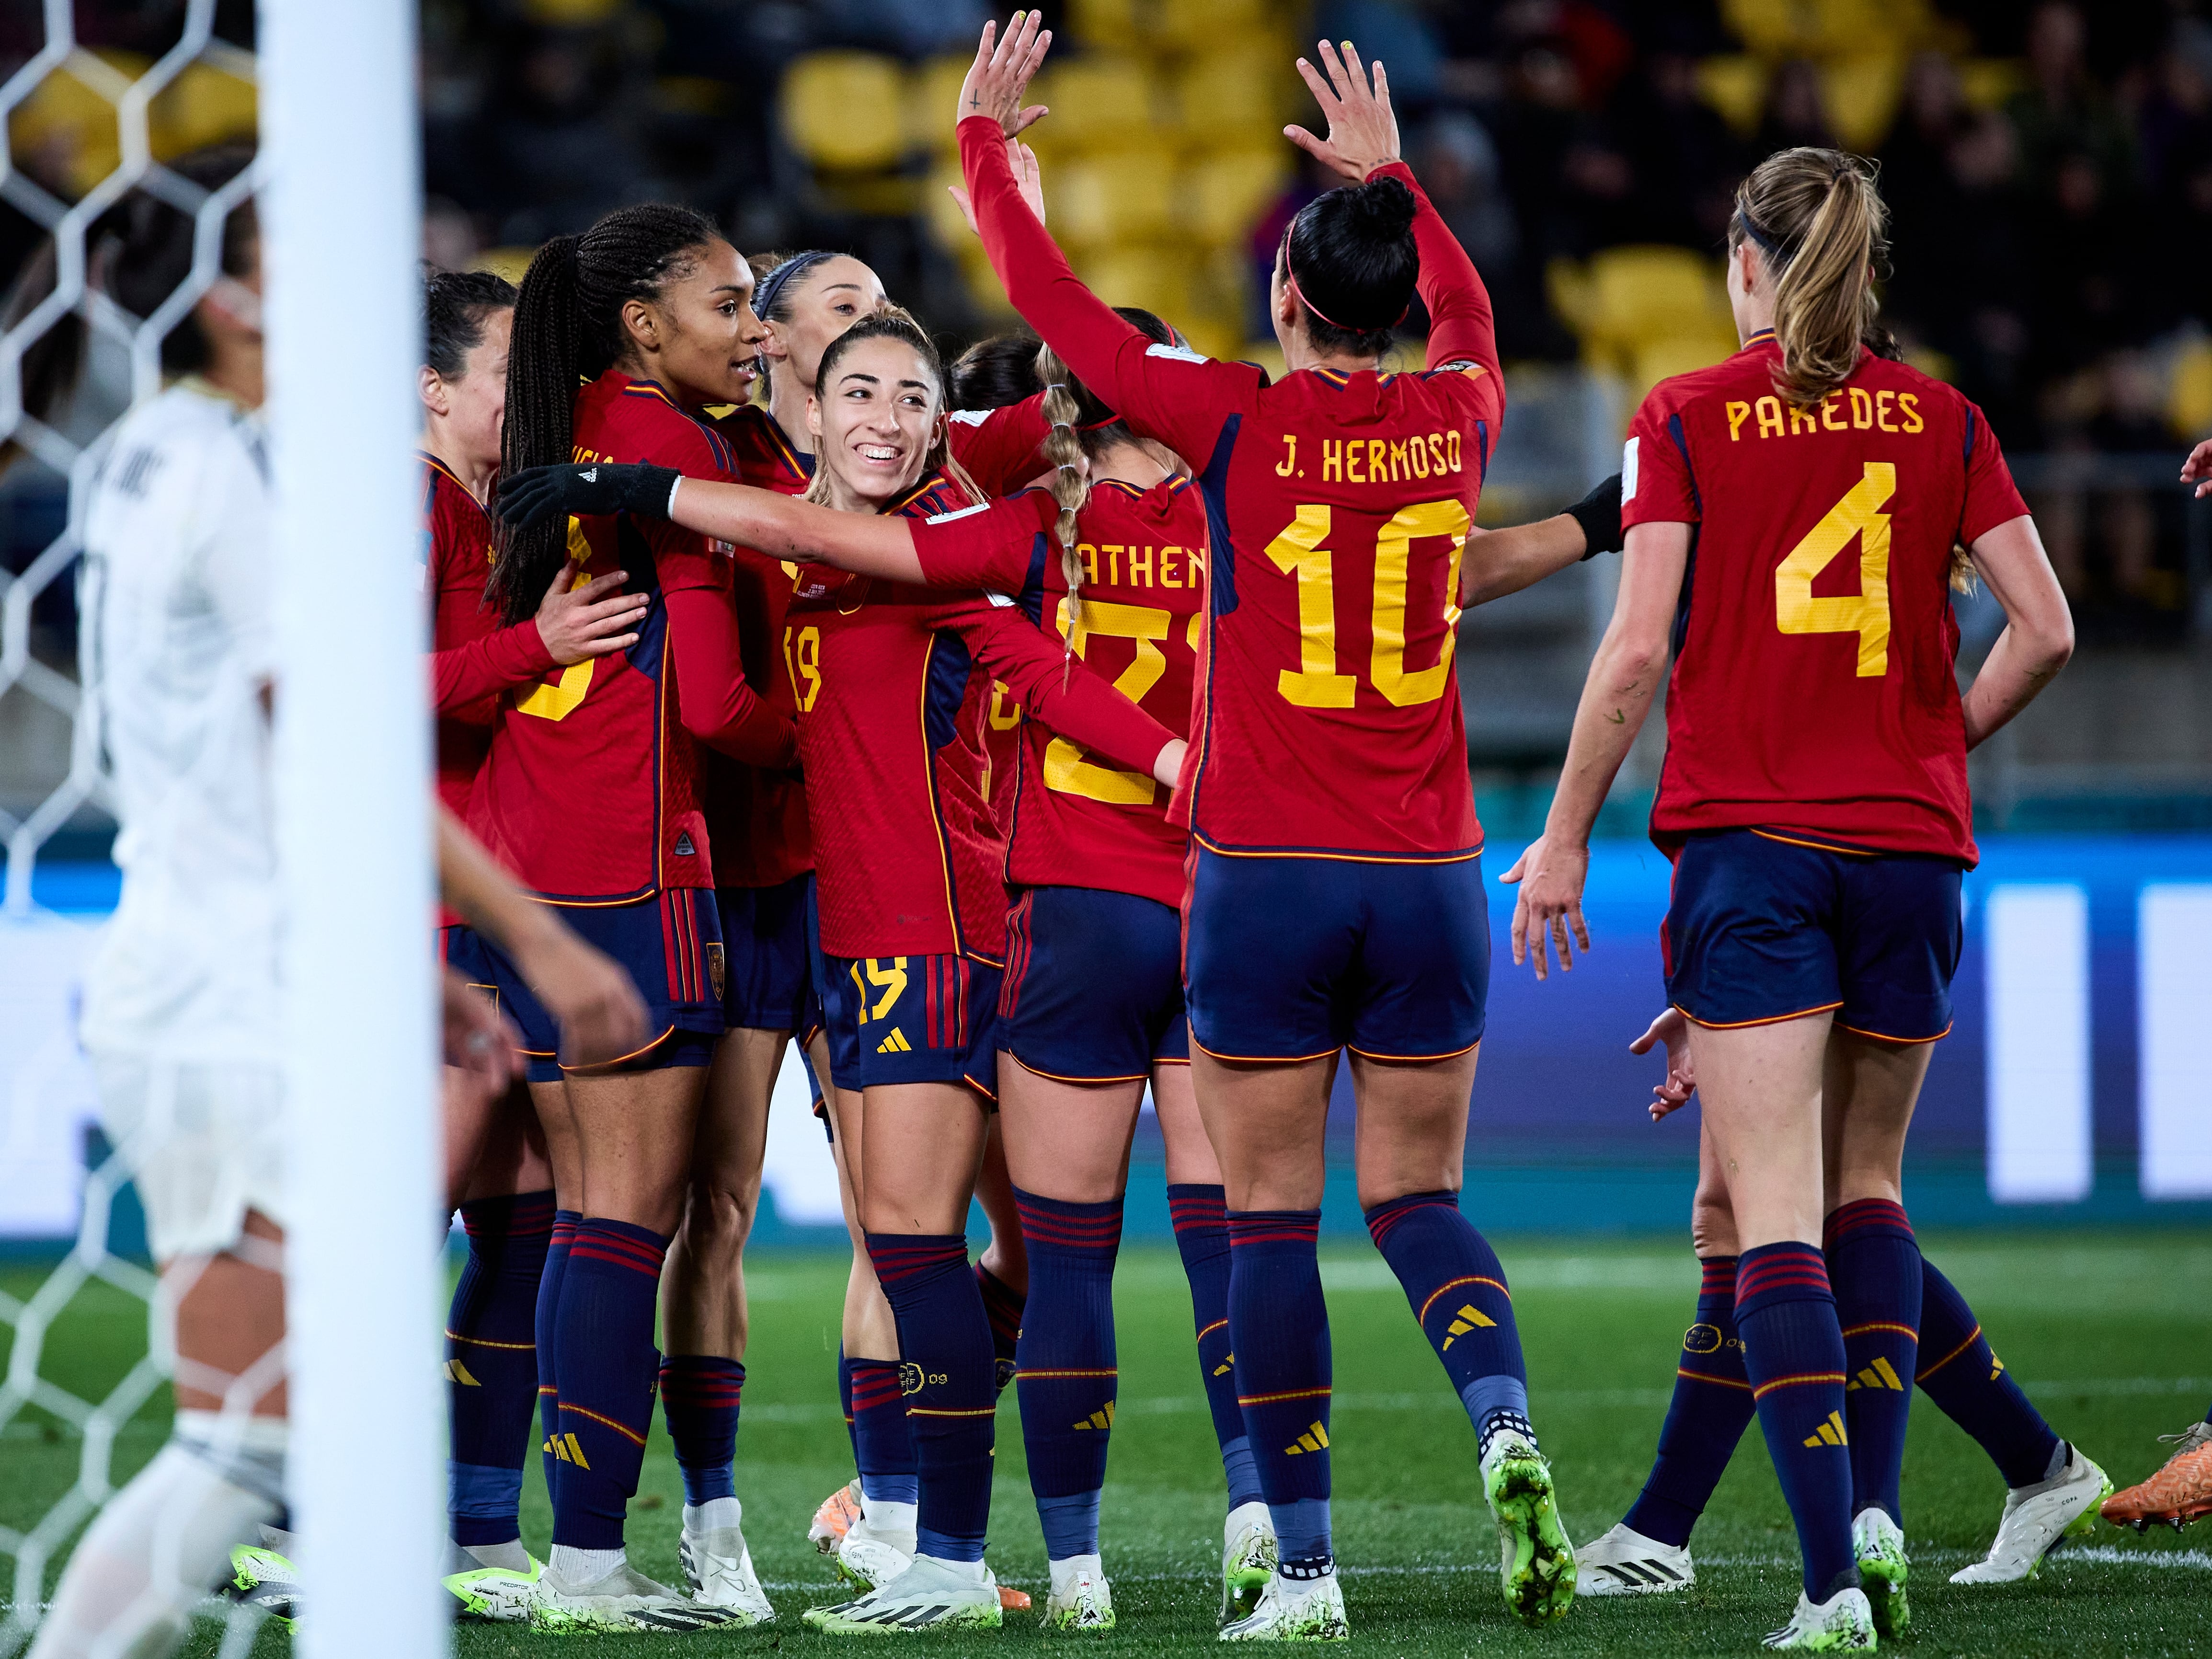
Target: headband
[
  {"x": 1290, "y": 275},
  {"x": 773, "y": 283}
]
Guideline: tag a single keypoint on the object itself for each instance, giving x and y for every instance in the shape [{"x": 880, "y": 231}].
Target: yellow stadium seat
[
  {"x": 1157, "y": 278},
  {"x": 1638, "y": 295},
  {"x": 508, "y": 262},
  {"x": 66, "y": 128},
  {"x": 1823, "y": 29},
  {"x": 1192, "y": 24},
  {"x": 571, "y": 14},
  {"x": 933, "y": 94},
  {"x": 844, "y": 111},
  {"x": 1242, "y": 89},
  {"x": 1659, "y": 359},
  {"x": 1115, "y": 23},
  {"x": 1126, "y": 195},
  {"x": 1773, "y": 29},
  {"x": 2188, "y": 401},
  {"x": 946, "y": 222},
  {"x": 1936, "y": 365},
  {"x": 1988, "y": 82},
  {"x": 1862, "y": 95},
  {"x": 1098, "y": 102},
  {"x": 1736, "y": 86},
  {"x": 1224, "y": 195},
  {"x": 203, "y": 105}
]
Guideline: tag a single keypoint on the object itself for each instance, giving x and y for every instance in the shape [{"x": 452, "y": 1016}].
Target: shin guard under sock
[
  {"x": 1874, "y": 1263},
  {"x": 1793, "y": 1355},
  {"x": 605, "y": 1360},
  {"x": 491, "y": 1363},
  {"x": 1003, "y": 1304},
  {"x": 1278, "y": 1327},
  {"x": 699, "y": 1400},
  {"x": 548, "y": 1310},
  {"x": 945, "y": 1343},
  {"x": 1970, "y": 1385},
  {"x": 883, "y": 1439},
  {"x": 1455, "y": 1285},
  {"x": 1200, "y": 1217},
  {"x": 1065, "y": 1368},
  {"x": 1711, "y": 1408}
]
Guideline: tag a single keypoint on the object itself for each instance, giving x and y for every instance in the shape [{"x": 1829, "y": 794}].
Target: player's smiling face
[
  {"x": 833, "y": 295},
  {"x": 476, "y": 403},
  {"x": 875, "y": 421},
  {"x": 699, "y": 338}
]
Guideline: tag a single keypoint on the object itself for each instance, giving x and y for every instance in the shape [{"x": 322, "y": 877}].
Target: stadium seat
[
  {"x": 204, "y": 105},
  {"x": 1735, "y": 86},
  {"x": 1099, "y": 103},
  {"x": 1988, "y": 82},
  {"x": 507, "y": 262},
  {"x": 1626, "y": 296},
  {"x": 1825, "y": 29},
  {"x": 1101, "y": 200},
  {"x": 1862, "y": 93},
  {"x": 1138, "y": 25},
  {"x": 1237, "y": 90},
  {"x": 2189, "y": 400},
  {"x": 844, "y": 111},
  {"x": 67, "y": 121},
  {"x": 931, "y": 89},
  {"x": 1654, "y": 361},
  {"x": 1157, "y": 278},
  {"x": 1223, "y": 195}
]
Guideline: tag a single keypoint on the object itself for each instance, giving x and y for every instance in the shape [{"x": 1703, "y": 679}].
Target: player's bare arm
[
  {"x": 1519, "y": 555},
  {"x": 2038, "y": 631}
]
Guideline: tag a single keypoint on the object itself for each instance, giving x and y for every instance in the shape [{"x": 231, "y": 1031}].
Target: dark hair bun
[
  {"x": 1382, "y": 210},
  {"x": 1353, "y": 263}
]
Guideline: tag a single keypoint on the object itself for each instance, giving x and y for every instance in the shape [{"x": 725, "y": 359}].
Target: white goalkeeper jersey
[{"x": 179, "y": 612}]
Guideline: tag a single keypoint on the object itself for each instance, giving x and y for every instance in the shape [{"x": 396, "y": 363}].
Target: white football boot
[
  {"x": 1081, "y": 1599},
  {"x": 624, "y": 1600},
  {"x": 1842, "y": 1624},
  {"x": 1248, "y": 1559},
  {"x": 1625, "y": 1563},
  {"x": 719, "y": 1568},
  {"x": 930, "y": 1595},
  {"x": 1294, "y": 1610},
  {"x": 2036, "y": 1517},
  {"x": 1878, "y": 1543}
]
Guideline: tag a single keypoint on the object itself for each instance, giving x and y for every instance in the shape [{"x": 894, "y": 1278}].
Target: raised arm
[{"x": 1064, "y": 695}]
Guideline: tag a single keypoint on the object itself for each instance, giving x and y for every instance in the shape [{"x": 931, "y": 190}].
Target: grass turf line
[{"x": 2109, "y": 1331}]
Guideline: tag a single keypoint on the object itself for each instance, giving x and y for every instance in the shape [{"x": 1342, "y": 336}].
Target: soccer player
[
  {"x": 912, "y": 912},
  {"x": 497, "y": 1171},
  {"x": 1335, "y": 894},
  {"x": 2052, "y": 1490},
  {"x": 588, "y": 793},
  {"x": 1813, "y": 800}
]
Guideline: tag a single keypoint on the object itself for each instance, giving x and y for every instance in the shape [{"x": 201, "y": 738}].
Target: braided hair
[
  {"x": 895, "y": 322},
  {"x": 456, "y": 305},
  {"x": 568, "y": 327}
]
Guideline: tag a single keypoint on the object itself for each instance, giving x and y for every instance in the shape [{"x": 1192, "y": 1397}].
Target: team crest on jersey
[
  {"x": 910, "y": 1378},
  {"x": 715, "y": 972}
]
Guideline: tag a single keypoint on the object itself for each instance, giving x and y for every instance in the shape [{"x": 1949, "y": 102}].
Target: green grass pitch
[{"x": 2112, "y": 1333}]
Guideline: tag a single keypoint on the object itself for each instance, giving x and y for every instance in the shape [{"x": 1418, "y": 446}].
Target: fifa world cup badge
[{"x": 714, "y": 969}]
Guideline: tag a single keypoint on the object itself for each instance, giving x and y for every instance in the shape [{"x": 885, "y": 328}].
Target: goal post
[{"x": 341, "y": 235}]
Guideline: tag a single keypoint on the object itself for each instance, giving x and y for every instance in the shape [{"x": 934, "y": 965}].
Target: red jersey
[
  {"x": 1328, "y": 719},
  {"x": 886, "y": 679},
  {"x": 1813, "y": 691},
  {"x": 1071, "y": 820},
  {"x": 475, "y": 659},
  {"x": 590, "y": 794},
  {"x": 758, "y": 818}
]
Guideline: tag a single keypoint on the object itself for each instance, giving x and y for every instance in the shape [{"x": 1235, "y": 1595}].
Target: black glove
[
  {"x": 593, "y": 491},
  {"x": 1598, "y": 514}
]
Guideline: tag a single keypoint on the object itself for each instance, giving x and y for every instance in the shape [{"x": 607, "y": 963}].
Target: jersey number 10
[
  {"x": 1865, "y": 613},
  {"x": 1302, "y": 550}
]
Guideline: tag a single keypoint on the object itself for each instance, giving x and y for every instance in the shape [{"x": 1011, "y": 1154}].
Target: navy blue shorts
[
  {"x": 1291, "y": 958},
  {"x": 1094, "y": 986},
  {"x": 671, "y": 946},
  {"x": 1760, "y": 929},
  {"x": 911, "y": 1019},
  {"x": 765, "y": 932}
]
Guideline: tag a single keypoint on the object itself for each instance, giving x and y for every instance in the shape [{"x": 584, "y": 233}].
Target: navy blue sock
[
  {"x": 1456, "y": 1288},
  {"x": 1874, "y": 1262},
  {"x": 883, "y": 1439},
  {"x": 491, "y": 1363},
  {"x": 604, "y": 1358},
  {"x": 1793, "y": 1355},
  {"x": 1711, "y": 1408},
  {"x": 549, "y": 1308},
  {"x": 1065, "y": 1369},
  {"x": 1970, "y": 1385},
  {"x": 1003, "y": 1304},
  {"x": 945, "y": 1335},
  {"x": 699, "y": 1399},
  {"x": 1279, "y": 1327},
  {"x": 1200, "y": 1217}
]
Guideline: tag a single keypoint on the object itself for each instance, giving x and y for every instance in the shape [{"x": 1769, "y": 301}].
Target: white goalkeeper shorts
[{"x": 205, "y": 1141}]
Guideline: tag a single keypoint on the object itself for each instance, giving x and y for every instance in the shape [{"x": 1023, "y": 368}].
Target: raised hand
[
  {"x": 1001, "y": 72},
  {"x": 1363, "y": 133},
  {"x": 1029, "y": 178},
  {"x": 2197, "y": 469}
]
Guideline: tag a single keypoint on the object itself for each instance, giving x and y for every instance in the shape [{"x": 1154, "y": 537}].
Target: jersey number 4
[
  {"x": 1865, "y": 613},
  {"x": 1302, "y": 550}
]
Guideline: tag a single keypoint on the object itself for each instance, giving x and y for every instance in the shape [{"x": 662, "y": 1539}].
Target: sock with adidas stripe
[
  {"x": 1874, "y": 1263},
  {"x": 1200, "y": 1217},
  {"x": 883, "y": 1439},
  {"x": 549, "y": 1309},
  {"x": 1793, "y": 1356},
  {"x": 1971, "y": 1386},
  {"x": 604, "y": 1358},
  {"x": 1457, "y": 1287},
  {"x": 1003, "y": 1304},
  {"x": 491, "y": 1365},
  {"x": 1711, "y": 1408},
  {"x": 1065, "y": 1366},
  {"x": 1278, "y": 1329},
  {"x": 946, "y": 1336}
]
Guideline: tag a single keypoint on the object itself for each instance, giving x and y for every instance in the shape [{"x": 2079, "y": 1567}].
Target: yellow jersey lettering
[
  {"x": 1144, "y": 564},
  {"x": 1452, "y": 450},
  {"x": 1401, "y": 466},
  {"x": 1801, "y": 419},
  {"x": 1069, "y": 769},
  {"x": 1284, "y": 467},
  {"x": 1006, "y": 713},
  {"x": 1831, "y": 415},
  {"x": 889, "y": 975},
  {"x": 1769, "y": 410},
  {"x": 1417, "y": 456},
  {"x": 1353, "y": 450},
  {"x": 1738, "y": 413},
  {"x": 1332, "y": 461},
  {"x": 1168, "y": 577},
  {"x": 1866, "y": 612},
  {"x": 1113, "y": 552},
  {"x": 1378, "y": 466},
  {"x": 1909, "y": 401},
  {"x": 1299, "y": 552},
  {"x": 558, "y": 700},
  {"x": 1436, "y": 453},
  {"x": 1862, "y": 409},
  {"x": 1393, "y": 551},
  {"x": 1088, "y": 555},
  {"x": 1882, "y": 410}
]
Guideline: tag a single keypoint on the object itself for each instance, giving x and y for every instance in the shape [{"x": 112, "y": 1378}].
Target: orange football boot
[
  {"x": 2178, "y": 1494},
  {"x": 834, "y": 1518}
]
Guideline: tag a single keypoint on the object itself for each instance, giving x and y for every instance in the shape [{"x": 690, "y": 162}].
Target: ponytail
[
  {"x": 1821, "y": 229},
  {"x": 1069, "y": 481}
]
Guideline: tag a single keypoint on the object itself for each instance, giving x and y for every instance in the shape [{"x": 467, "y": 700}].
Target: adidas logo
[
  {"x": 1466, "y": 1319},
  {"x": 1640, "y": 1575},
  {"x": 1996, "y": 1367},
  {"x": 1101, "y": 1419},
  {"x": 590, "y": 475},
  {"x": 1315, "y": 1438},
  {"x": 684, "y": 849},
  {"x": 1880, "y": 1374},
  {"x": 1228, "y": 1364},
  {"x": 457, "y": 1372},
  {"x": 895, "y": 1043},
  {"x": 1831, "y": 1434},
  {"x": 564, "y": 1446}
]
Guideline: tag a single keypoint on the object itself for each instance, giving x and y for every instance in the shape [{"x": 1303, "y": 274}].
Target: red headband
[{"x": 1290, "y": 277}]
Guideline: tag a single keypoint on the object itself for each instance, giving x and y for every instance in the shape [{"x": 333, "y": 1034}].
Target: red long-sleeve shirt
[
  {"x": 1329, "y": 714},
  {"x": 886, "y": 678}
]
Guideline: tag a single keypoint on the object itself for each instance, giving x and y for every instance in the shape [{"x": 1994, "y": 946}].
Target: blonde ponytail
[
  {"x": 1068, "y": 482},
  {"x": 1822, "y": 229}
]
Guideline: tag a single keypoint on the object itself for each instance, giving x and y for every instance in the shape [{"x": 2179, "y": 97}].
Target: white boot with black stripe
[{"x": 1625, "y": 1563}]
